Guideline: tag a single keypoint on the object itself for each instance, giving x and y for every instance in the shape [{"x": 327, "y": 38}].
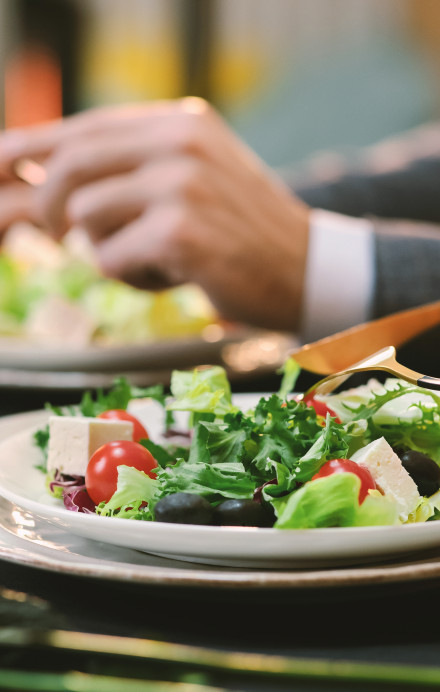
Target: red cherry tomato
[
  {"x": 139, "y": 432},
  {"x": 102, "y": 469},
  {"x": 320, "y": 408},
  {"x": 348, "y": 466}
]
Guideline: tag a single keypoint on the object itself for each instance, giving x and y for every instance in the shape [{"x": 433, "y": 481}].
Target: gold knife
[{"x": 369, "y": 346}]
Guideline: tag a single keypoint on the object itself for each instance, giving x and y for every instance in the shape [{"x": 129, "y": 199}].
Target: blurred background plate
[
  {"x": 214, "y": 345},
  {"x": 244, "y": 353},
  {"x": 241, "y": 349}
]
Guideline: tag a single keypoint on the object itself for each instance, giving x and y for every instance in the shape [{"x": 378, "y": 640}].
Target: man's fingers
[
  {"x": 74, "y": 166},
  {"x": 38, "y": 141},
  {"x": 5, "y": 177},
  {"x": 27, "y": 143},
  {"x": 108, "y": 142},
  {"x": 15, "y": 203},
  {"x": 106, "y": 205},
  {"x": 148, "y": 247}
]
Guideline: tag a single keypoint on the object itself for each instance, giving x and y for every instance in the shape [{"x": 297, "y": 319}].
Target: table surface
[
  {"x": 392, "y": 624},
  {"x": 379, "y": 624}
]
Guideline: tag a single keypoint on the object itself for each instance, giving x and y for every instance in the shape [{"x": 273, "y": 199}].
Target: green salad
[
  {"x": 364, "y": 457},
  {"x": 52, "y": 294}
]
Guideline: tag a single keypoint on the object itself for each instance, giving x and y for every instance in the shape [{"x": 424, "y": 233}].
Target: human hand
[
  {"x": 15, "y": 201},
  {"x": 168, "y": 195}
]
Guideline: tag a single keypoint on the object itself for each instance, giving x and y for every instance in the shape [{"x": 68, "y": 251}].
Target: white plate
[
  {"x": 16, "y": 353},
  {"x": 22, "y": 484},
  {"x": 27, "y": 540},
  {"x": 268, "y": 348}
]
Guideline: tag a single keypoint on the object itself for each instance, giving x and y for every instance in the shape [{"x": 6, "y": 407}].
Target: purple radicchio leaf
[
  {"x": 75, "y": 495},
  {"x": 78, "y": 500},
  {"x": 258, "y": 492},
  {"x": 174, "y": 432},
  {"x": 62, "y": 480}
]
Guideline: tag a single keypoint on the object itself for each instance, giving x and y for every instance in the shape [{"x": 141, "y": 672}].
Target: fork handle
[{"x": 429, "y": 382}]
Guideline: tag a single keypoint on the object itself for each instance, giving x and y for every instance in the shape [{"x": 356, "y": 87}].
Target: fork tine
[{"x": 429, "y": 382}]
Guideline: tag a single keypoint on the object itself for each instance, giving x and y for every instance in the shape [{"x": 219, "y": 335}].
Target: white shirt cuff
[{"x": 339, "y": 275}]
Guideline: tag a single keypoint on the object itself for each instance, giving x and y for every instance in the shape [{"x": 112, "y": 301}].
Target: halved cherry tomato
[
  {"x": 139, "y": 432},
  {"x": 348, "y": 466},
  {"x": 319, "y": 406},
  {"x": 102, "y": 469}
]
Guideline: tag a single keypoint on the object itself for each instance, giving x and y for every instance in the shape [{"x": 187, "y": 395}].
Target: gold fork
[
  {"x": 366, "y": 347},
  {"x": 385, "y": 359}
]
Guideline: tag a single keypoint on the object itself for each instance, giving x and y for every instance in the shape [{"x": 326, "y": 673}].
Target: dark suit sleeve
[
  {"x": 411, "y": 192},
  {"x": 407, "y": 265},
  {"x": 407, "y": 253}
]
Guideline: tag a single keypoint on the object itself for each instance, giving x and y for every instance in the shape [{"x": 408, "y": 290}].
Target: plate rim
[
  {"x": 220, "y": 577},
  {"x": 166, "y": 352}
]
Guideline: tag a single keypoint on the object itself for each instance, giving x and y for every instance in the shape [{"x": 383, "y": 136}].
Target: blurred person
[{"x": 168, "y": 194}]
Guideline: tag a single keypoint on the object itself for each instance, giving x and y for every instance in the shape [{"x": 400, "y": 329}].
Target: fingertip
[{"x": 12, "y": 145}]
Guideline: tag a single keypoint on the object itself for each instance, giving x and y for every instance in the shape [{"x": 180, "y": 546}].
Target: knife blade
[{"x": 343, "y": 349}]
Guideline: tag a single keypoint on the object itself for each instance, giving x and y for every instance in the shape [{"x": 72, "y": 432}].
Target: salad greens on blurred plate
[{"x": 52, "y": 294}]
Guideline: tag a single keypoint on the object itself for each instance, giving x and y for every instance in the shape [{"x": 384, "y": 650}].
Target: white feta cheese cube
[
  {"x": 390, "y": 476},
  {"x": 73, "y": 439}
]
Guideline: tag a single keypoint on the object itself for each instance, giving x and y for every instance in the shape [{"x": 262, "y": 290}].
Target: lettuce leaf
[
  {"x": 134, "y": 488},
  {"x": 290, "y": 371},
  {"x": 332, "y": 443},
  {"x": 377, "y": 510},
  {"x": 121, "y": 313},
  {"x": 12, "y": 301},
  {"x": 204, "y": 390},
  {"x": 213, "y": 481},
  {"x": 220, "y": 442},
  {"x": 406, "y": 415},
  {"x": 119, "y": 396},
  {"x": 284, "y": 431},
  {"x": 41, "y": 440},
  {"x": 423, "y": 512},
  {"x": 333, "y": 501}
]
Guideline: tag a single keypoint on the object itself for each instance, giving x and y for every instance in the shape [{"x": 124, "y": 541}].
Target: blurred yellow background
[{"x": 293, "y": 77}]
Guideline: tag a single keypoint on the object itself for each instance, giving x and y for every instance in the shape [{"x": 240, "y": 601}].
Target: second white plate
[{"x": 258, "y": 346}]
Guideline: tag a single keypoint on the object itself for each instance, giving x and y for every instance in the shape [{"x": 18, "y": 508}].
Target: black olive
[
  {"x": 243, "y": 513},
  {"x": 423, "y": 470},
  {"x": 184, "y": 508}
]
